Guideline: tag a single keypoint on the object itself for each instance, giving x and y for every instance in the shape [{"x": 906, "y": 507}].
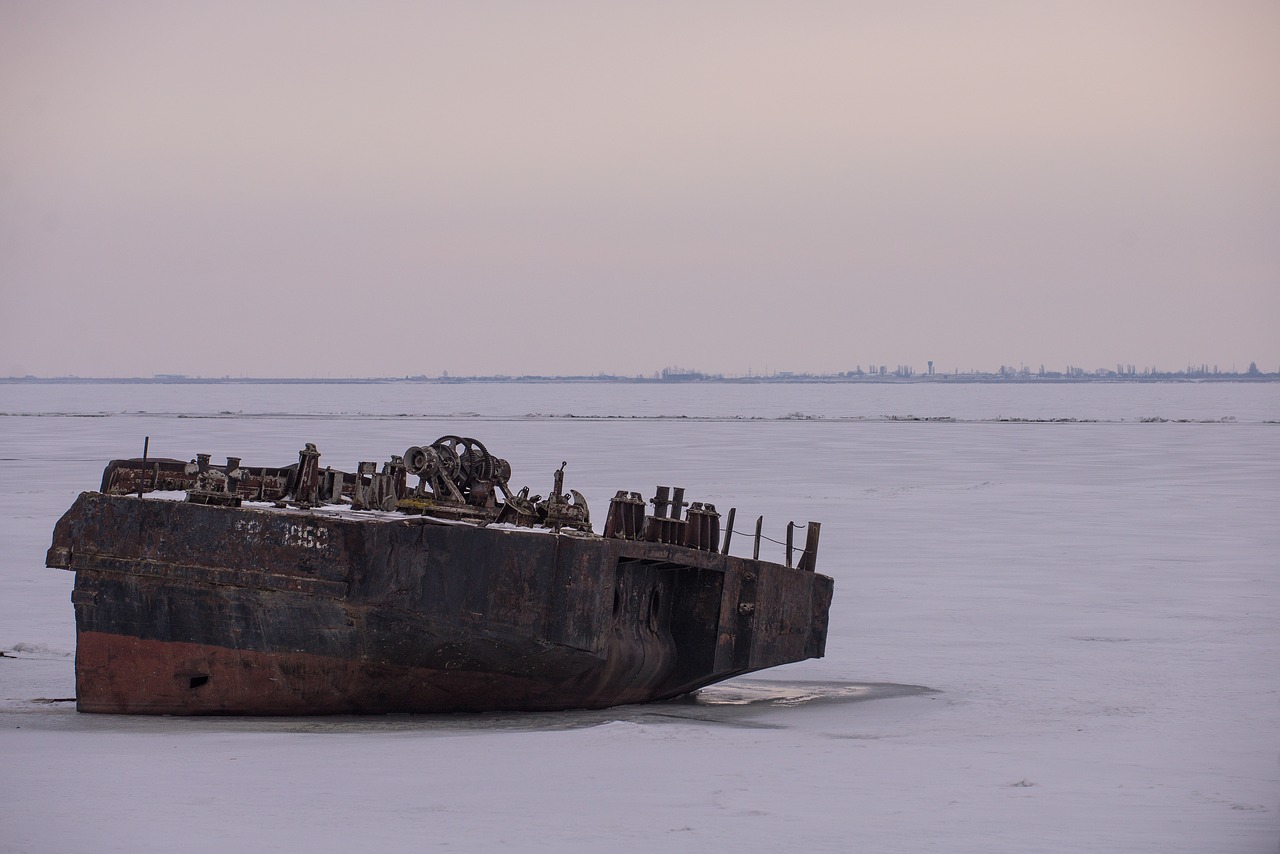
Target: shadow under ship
[{"x": 229, "y": 589}]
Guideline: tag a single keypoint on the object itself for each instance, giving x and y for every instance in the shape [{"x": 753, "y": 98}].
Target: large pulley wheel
[{"x": 467, "y": 457}]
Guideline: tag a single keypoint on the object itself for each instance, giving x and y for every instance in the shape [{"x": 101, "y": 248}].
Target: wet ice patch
[
  {"x": 35, "y": 650},
  {"x": 769, "y": 693}
]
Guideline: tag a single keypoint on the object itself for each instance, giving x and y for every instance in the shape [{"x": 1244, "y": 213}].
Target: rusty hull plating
[{"x": 303, "y": 590}]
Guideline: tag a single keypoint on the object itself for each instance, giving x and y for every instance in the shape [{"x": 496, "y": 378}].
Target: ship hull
[{"x": 184, "y": 608}]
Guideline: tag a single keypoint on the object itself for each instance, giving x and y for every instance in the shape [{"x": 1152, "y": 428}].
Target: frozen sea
[{"x": 1056, "y": 628}]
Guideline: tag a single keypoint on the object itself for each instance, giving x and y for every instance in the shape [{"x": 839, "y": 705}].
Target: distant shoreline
[{"x": 698, "y": 379}]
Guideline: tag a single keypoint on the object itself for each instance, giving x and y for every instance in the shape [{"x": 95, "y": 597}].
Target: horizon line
[{"x": 903, "y": 374}]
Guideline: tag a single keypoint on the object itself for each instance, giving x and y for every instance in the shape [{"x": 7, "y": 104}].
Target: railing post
[
  {"x": 142, "y": 473},
  {"x": 809, "y": 560}
]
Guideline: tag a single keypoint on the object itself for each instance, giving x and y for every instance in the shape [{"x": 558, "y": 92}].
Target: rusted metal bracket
[{"x": 212, "y": 485}]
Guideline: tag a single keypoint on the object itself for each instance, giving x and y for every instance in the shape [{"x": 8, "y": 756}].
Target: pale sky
[{"x": 388, "y": 189}]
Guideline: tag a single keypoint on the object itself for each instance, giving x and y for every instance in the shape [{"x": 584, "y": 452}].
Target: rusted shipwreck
[{"x": 232, "y": 589}]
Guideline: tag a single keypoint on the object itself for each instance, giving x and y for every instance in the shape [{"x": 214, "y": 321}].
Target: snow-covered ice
[{"x": 1045, "y": 636}]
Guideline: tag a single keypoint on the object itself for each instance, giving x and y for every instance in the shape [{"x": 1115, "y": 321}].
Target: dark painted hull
[{"x": 184, "y": 608}]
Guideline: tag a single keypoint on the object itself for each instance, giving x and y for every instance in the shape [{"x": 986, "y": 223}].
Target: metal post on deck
[
  {"x": 728, "y": 531},
  {"x": 791, "y": 532},
  {"x": 809, "y": 560},
  {"x": 755, "y": 553},
  {"x": 142, "y": 475},
  {"x": 677, "y": 503},
  {"x": 660, "y": 501}
]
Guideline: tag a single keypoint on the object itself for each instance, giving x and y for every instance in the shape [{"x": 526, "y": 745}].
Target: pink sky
[{"x": 382, "y": 189}]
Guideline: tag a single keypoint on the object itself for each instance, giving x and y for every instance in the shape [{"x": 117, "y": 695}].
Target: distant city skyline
[
  {"x": 320, "y": 189},
  {"x": 871, "y": 372}
]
